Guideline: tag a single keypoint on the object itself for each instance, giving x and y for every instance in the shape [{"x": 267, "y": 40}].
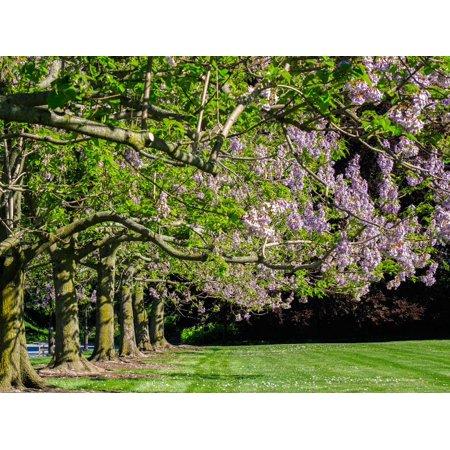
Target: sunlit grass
[{"x": 408, "y": 366}]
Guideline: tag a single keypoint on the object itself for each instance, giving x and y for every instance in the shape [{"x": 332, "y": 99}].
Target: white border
[
  {"x": 244, "y": 27},
  {"x": 224, "y": 27},
  {"x": 225, "y": 421}
]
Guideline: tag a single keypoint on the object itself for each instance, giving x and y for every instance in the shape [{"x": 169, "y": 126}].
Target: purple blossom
[
  {"x": 314, "y": 142},
  {"x": 265, "y": 93},
  {"x": 428, "y": 279},
  {"x": 439, "y": 79},
  {"x": 413, "y": 179},
  {"x": 314, "y": 220},
  {"x": 343, "y": 254},
  {"x": 326, "y": 173},
  {"x": 80, "y": 293},
  {"x": 258, "y": 222},
  {"x": 236, "y": 240},
  {"x": 377, "y": 65},
  {"x": 434, "y": 165},
  {"x": 370, "y": 258},
  {"x": 406, "y": 148},
  {"x": 295, "y": 181},
  {"x": 236, "y": 146},
  {"x": 389, "y": 196},
  {"x": 360, "y": 93},
  {"x": 134, "y": 158},
  {"x": 279, "y": 206},
  {"x": 394, "y": 283},
  {"x": 385, "y": 163},
  {"x": 162, "y": 206},
  {"x": 446, "y": 101},
  {"x": 49, "y": 293},
  {"x": 407, "y": 118},
  {"x": 198, "y": 177},
  {"x": 408, "y": 115},
  {"x": 355, "y": 197},
  {"x": 171, "y": 61},
  {"x": 294, "y": 221},
  {"x": 442, "y": 223}
]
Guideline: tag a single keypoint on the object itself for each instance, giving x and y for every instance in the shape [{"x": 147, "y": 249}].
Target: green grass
[{"x": 408, "y": 366}]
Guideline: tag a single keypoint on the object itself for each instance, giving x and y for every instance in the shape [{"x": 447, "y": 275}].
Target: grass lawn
[{"x": 408, "y": 366}]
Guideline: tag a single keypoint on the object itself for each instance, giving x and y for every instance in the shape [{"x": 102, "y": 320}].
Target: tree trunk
[
  {"x": 15, "y": 367},
  {"x": 104, "y": 331},
  {"x": 67, "y": 357},
  {"x": 157, "y": 337},
  {"x": 141, "y": 319},
  {"x": 86, "y": 331},
  {"x": 128, "y": 346},
  {"x": 51, "y": 341}
]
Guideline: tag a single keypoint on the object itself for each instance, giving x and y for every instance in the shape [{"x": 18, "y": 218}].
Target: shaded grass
[{"x": 404, "y": 366}]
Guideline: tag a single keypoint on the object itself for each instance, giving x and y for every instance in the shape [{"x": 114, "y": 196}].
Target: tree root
[
  {"x": 145, "y": 347},
  {"x": 78, "y": 368},
  {"x": 132, "y": 354},
  {"x": 103, "y": 357},
  {"x": 162, "y": 345}
]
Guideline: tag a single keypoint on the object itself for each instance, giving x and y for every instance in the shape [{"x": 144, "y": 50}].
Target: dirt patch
[
  {"x": 127, "y": 364},
  {"x": 123, "y": 376},
  {"x": 120, "y": 368}
]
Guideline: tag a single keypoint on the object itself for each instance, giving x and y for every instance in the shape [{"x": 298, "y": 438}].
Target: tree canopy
[{"x": 256, "y": 178}]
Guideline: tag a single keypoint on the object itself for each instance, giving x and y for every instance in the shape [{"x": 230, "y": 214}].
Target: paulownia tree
[{"x": 312, "y": 174}]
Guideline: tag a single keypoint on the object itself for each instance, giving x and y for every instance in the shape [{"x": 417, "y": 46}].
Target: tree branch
[{"x": 137, "y": 140}]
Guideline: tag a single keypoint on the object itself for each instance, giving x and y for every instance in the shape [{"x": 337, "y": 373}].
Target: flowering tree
[
  {"x": 266, "y": 175},
  {"x": 342, "y": 184}
]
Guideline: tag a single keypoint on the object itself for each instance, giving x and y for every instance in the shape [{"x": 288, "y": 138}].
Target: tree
[
  {"x": 157, "y": 336},
  {"x": 267, "y": 175},
  {"x": 128, "y": 345},
  {"x": 104, "y": 333},
  {"x": 141, "y": 318}
]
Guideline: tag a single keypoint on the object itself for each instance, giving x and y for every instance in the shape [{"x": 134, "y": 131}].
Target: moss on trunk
[
  {"x": 128, "y": 346},
  {"x": 104, "y": 331},
  {"x": 157, "y": 336},
  {"x": 141, "y": 319},
  {"x": 67, "y": 356},
  {"x": 16, "y": 371}
]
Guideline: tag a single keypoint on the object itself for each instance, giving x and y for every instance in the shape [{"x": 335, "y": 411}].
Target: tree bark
[
  {"x": 157, "y": 337},
  {"x": 51, "y": 341},
  {"x": 16, "y": 371},
  {"x": 14, "y": 109},
  {"x": 86, "y": 331},
  {"x": 141, "y": 319},
  {"x": 128, "y": 346},
  {"x": 67, "y": 357},
  {"x": 104, "y": 332}
]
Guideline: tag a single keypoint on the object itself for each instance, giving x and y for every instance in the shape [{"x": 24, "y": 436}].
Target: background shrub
[{"x": 209, "y": 333}]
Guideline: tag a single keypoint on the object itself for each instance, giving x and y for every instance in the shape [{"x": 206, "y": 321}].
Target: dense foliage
[{"x": 249, "y": 180}]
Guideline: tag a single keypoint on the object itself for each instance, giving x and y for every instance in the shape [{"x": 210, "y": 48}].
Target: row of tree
[{"x": 252, "y": 180}]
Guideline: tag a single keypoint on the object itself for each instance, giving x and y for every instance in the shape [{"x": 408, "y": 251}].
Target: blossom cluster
[
  {"x": 360, "y": 93},
  {"x": 162, "y": 207},
  {"x": 134, "y": 158},
  {"x": 316, "y": 143},
  {"x": 408, "y": 116}
]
